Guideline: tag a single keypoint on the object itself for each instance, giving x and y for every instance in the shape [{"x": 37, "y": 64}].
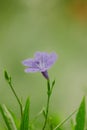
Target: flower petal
[
  {"x": 28, "y": 62},
  {"x": 51, "y": 60},
  {"x": 32, "y": 70},
  {"x": 41, "y": 56},
  {"x": 41, "y": 62}
]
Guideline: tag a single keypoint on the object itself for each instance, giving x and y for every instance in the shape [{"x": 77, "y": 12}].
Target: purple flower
[{"x": 41, "y": 62}]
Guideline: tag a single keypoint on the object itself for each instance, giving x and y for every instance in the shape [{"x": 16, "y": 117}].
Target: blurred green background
[{"x": 27, "y": 26}]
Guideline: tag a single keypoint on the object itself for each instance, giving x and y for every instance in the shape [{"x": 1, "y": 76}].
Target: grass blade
[
  {"x": 8, "y": 118},
  {"x": 25, "y": 118},
  {"x": 65, "y": 120},
  {"x": 80, "y": 117}
]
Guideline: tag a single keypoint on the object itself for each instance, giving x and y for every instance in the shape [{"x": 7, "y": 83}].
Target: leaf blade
[
  {"x": 8, "y": 118},
  {"x": 80, "y": 117},
  {"x": 25, "y": 118}
]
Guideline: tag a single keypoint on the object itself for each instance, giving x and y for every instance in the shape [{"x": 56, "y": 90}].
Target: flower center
[{"x": 40, "y": 64}]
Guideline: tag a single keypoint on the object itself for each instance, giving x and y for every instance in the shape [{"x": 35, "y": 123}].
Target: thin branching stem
[
  {"x": 8, "y": 78},
  {"x": 19, "y": 102}
]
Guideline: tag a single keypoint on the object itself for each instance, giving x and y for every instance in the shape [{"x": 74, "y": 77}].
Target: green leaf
[
  {"x": 72, "y": 125},
  {"x": 65, "y": 120},
  {"x": 53, "y": 120},
  {"x": 80, "y": 117},
  {"x": 6, "y": 75},
  {"x": 25, "y": 118},
  {"x": 16, "y": 120},
  {"x": 8, "y": 118},
  {"x": 53, "y": 83}
]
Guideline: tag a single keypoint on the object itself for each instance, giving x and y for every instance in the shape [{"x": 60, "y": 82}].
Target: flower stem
[
  {"x": 8, "y": 78},
  {"x": 47, "y": 107},
  {"x": 19, "y": 102}
]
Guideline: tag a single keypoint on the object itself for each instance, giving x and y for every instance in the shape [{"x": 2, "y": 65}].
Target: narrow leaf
[
  {"x": 53, "y": 83},
  {"x": 25, "y": 118},
  {"x": 8, "y": 118},
  {"x": 72, "y": 125},
  {"x": 6, "y": 75},
  {"x": 80, "y": 117},
  {"x": 16, "y": 120},
  {"x": 65, "y": 120}
]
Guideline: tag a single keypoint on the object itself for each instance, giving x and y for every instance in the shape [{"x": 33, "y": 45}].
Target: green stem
[
  {"x": 61, "y": 123},
  {"x": 47, "y": 107},
  {"x": 47, "y": 110},
  {"x": 20, "y": 104}
]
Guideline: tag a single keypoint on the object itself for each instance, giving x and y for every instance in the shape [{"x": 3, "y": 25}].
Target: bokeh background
[{"x": 27, "y": 26}]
